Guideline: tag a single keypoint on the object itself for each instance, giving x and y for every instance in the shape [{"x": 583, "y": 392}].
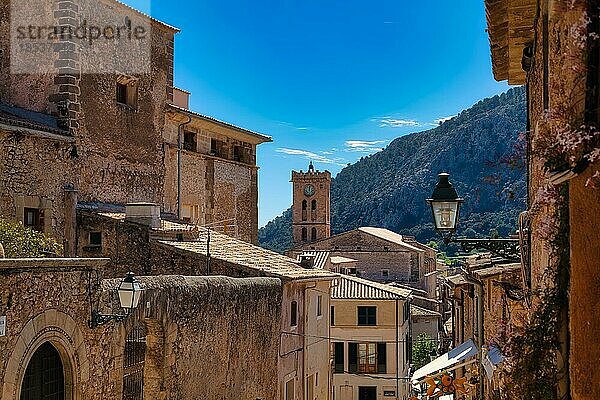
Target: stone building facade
[
  {"x": 376, "y": 254},
  {"x": 487, "y": 307},
  {"x": 105, "y": 129},
  {"x": 162, "y": 247},
  {"x": 551, "y": 46},
  {"x": 154, "y": 354},
  {"x": 370, "y": 330},
  {"x": 311, "y": 209},
  {"x": 219, "y": 175}
]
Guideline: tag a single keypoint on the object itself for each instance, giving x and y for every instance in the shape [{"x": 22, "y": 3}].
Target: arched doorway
[{"x": 44, "y": 378}]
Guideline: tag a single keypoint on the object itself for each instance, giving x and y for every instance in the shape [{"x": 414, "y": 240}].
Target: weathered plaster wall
[
  {"x": 584, "y": 311},
  {"x": 221, "y": 336},
  {"x": 554, "y": 85},
  {"x": 208, "y": 337}
]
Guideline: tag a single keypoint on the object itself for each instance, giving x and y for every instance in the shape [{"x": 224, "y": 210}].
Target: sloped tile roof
[
  {"x": 23, "y": 118},
  {"x": 350, "y": 287},
  {"x": 423, "y": 312},
  {"x": 235, "y": 251},
  {"x": 389, "y": 236}
]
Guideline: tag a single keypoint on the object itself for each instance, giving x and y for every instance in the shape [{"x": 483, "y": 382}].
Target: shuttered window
[
  {"x": 381, "y": 358},
  {"x": 338, "y": 358},
  {"x": 353, "y": 358}
]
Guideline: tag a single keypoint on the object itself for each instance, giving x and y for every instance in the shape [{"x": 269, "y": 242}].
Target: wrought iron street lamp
[
  {"x": 129, "y": 291},
  {"x": 445, "y": 207}
]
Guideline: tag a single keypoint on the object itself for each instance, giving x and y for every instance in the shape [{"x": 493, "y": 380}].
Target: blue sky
[{"x": 331, "y": 81}]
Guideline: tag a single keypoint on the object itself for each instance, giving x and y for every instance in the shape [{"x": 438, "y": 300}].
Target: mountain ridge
[{"x": 388, "y": 189}]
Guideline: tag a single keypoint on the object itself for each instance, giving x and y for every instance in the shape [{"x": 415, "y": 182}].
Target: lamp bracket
[{"x": 99, "y": 319}]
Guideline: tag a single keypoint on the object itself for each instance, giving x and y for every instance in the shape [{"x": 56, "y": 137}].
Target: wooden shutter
[
  {"x": 338, "y": 358},
  {"x": 381, "y": 358},
  {"x": 353, "y": 358}
]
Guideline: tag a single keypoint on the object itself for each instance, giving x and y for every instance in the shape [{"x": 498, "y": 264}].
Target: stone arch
[{"x": 60, "y": 330}]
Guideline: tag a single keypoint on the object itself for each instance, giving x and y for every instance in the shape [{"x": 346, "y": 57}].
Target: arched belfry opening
[{"x": 44, "y": 377}]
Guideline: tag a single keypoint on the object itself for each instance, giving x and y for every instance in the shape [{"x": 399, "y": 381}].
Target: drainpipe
[{"x": 179, "y": 163}]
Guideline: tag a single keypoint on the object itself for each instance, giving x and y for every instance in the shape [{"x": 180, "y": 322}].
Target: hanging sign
[{"x": 2, "y": 326}]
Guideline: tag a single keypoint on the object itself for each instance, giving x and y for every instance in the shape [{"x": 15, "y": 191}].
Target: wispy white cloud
[
  {"x": 390, "y": 122},
  {"x": 309, "y": 155},
  {"x": 443, "y": 119},
  {"x": 364, "y": 146},
  {"x": 292, "y": 126}
]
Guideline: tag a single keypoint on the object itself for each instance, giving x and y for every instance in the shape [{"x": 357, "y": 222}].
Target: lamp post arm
[{"x": 99, "y": 319}]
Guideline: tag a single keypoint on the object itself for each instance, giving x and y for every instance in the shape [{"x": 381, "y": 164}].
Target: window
[
  {"x": 338, "y": 358},
  {"x": 367, "y": 316},
  {"x": 289, "y": 390},
  {"x": 304, "y": 212},
  {"x": 95, "y": 238},
  {"x": 407, "y": 349},
  {"x": 313, "y": 205},
  {"x": 189, "y": 141},
  {"x": 385, "y": 273},
  {"x": 33, "y": 218},
  {"x": 313, "y": 234},
  {"x": 406, "y": 311},
  {"x": 310, "y": 387},
  {"x": 294, "y": 314},
  {"x": 217, "y": 148},
  {"x": 304, "y": 235},
  {"x": 319, "y": 306},
  {"x": 367, "y": 358},
  {"x": 127, "y": 91},
  {"x": 121, "y": 93},
  {"x": 332, "y": 316}
]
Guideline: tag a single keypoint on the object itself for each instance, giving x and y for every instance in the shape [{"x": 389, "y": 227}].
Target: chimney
[
  {"x": 143, "y": 213},
  {"x": 181, "y": 98}
]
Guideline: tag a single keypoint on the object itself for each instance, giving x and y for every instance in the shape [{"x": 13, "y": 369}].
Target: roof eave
[{"x": 259, "y": 138}]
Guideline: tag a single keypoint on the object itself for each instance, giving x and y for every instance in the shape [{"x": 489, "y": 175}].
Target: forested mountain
[{"x": 482, "y": 150}]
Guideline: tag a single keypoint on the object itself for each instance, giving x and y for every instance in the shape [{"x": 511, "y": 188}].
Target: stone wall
[
  {"x": 34, "y": 171},
  {"x": 116, "y": 155},
  {"x": 207, "y": 337}
]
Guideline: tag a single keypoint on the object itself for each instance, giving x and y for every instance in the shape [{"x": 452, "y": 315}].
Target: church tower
[{"x": 311, "y": 215}]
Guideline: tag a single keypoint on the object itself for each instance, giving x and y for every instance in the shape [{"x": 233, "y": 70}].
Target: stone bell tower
[{"x": 311, "y": 214}]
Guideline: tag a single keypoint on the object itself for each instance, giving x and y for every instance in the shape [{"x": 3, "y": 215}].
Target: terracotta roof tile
[
  {"x": 232, "y": 250},
  {"x": 350, "y": 287}
]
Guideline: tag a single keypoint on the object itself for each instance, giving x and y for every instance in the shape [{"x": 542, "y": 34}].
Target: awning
[
  {"x": 443, "y": 363},
  {"x": 493, "y": 357}
]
